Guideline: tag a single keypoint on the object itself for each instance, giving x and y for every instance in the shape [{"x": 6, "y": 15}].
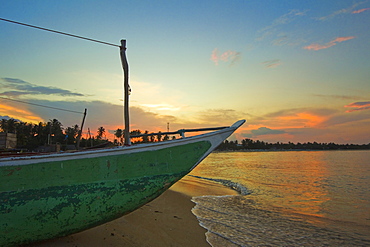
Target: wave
[
  {"x": 241, "y": 189},
  {"x": 239, "y": 221}
]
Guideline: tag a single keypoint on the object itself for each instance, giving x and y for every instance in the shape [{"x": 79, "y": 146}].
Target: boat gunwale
[{"x": 25, "y": 160}]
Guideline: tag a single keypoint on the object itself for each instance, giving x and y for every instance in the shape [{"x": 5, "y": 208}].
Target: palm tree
[
  {"x": 101, "y": 132},
  {"x": 3, "y": 125},
  {"x": 10, "y": 125},
  {"x": 23, "y": 130},
  {"x": 71, "y": 133},
  {"x": 55, "y": 131},
  {"x": 146, "y": 138},
  {"x": 152, "y": 138},
  {"x": 133, "y": 133},
  {"x": 119, "y": 133},
  {"x": 159, "y": 136}
]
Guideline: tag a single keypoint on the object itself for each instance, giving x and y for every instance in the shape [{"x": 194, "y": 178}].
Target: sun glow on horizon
[
  {"x": 299, "y": 73},
  {"x": 161, "y": 107},
  {"x": 18, "y": 113}
]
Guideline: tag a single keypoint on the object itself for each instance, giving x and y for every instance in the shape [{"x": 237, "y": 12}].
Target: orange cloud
[
  {"x": 18, "y": 113},
  {"x": 358, "y": 106},
  {"x": 226, "y": 56},
  {"x": 359, "y": 11},
  {"x": 285, "y": 125},
  {"x": 295, "y": 118},
  {"x": 301, "y": 120},
  {"x": 341, "y": 39},
  {"x": 343, "y": 11},
  {"x": 317, "y": 47}
]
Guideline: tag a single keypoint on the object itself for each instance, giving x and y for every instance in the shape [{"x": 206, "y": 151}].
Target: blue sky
[{"x": 296, "y": 70}]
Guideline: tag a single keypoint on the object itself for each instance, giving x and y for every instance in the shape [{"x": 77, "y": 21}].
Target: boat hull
[{"x": 57, "y": 195}]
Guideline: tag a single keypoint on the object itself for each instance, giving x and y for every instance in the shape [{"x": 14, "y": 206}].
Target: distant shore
[{"x": 249, "y": 144}]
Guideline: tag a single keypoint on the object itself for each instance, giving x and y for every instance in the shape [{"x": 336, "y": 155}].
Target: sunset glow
[
  {"x": 20, "y": 114},
  {"x": 300, "y": 72},
  {"x": 358, "y": 106},
  {"x": 301, "y": 120}
]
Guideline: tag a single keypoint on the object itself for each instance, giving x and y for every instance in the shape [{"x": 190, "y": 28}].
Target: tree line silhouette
[
  {"x": 249, "y": 144},
  {"x": 31, "y": 136}
]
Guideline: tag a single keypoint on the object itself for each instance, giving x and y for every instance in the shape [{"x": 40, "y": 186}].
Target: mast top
[{"x": 123, "y": 42}]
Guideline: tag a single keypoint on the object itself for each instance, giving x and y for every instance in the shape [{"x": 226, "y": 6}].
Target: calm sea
[{"x": 294, "y": 198}]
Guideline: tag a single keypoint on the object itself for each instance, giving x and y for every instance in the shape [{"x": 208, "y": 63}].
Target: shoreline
[{"x": 165, "y": 221}]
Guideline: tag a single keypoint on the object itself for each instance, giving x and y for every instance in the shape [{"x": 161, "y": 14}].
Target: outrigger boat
[
  {"x": 49, "y": 196},
  {"x": 53, "y": 195}
]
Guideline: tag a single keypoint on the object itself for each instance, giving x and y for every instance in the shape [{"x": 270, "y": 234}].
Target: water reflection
[{"x": 317, "y": 184}]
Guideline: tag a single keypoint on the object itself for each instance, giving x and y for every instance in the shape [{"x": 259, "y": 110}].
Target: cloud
[
  {"x": 262, "y": 131},
  {"x": 317, "y": 47},
  {"x": 302, "y": 119},
  {"x": 218, "y": 116},
  {"x": 110, "y": 116},
  {"x": 99, "y": 113},
  {"x": 272, "y": 63},
  {"x": 7, "y": 118},
  {"x": 296, "y": 118},
  {"x": 14, "y": 110},
  {"x": 13, "y": 94},
  {"x": 351, "y": 120},
  {"x": 310, "y": 124},
  {"x": 19, "y": 87},
  {"x": 360, "y": 11},
  {"x": 227, "y": 56},
  {"x": 272, "y": 29},
  {"x": 349, "y": 10},
  {"x": 358, "y": 106},
  {"x": 266, "y": 131},
  {"x": 281, "y": 40},
  {"x": 340, "y": 97},
  {"x": 310, "y": 118},
  {"x": 287, "y": 124},
  {"x": 161, "y": 107},
  {"x": 341, "y": 39}
]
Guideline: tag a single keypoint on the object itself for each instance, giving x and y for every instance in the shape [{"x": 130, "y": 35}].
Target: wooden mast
[
  {"x": 126, "y": 93},
  {"x": 80, "y": 131}
]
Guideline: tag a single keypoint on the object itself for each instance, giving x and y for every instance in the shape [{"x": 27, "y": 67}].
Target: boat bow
[{"x": 48, "y": 196}]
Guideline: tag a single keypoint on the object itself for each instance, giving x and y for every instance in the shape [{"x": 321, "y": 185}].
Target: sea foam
[{"x": 241, "y": 189}]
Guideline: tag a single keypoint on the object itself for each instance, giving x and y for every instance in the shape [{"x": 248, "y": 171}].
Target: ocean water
[{"x": 291, "y": 198}]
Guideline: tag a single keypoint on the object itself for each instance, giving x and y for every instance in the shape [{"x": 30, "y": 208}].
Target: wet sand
[{"x": 166, "y": 221}]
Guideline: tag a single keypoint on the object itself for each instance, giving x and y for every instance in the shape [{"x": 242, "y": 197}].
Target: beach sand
[{"x": 166, "y": 221}]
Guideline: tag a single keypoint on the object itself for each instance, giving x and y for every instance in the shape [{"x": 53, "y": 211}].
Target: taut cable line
[
  {"x": 55, "y": 108},
  {"x": 124, "y": 66},
  {"x": 58, "y": 32}
]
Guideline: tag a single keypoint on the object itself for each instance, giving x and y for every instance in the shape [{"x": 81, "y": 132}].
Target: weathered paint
[
  {"x": 56, "y": 198},
  {"x": 47, "y": 196}
]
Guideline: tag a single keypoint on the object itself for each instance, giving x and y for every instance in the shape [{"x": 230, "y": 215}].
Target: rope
[
  {"x": 55, "y": 108},
  {"x": 58, "y": 32}
]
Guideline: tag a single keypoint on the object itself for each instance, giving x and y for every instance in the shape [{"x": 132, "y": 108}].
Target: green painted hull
[
  {"x": 49, "y": 196},
  {"x": 51, "y": 199}
]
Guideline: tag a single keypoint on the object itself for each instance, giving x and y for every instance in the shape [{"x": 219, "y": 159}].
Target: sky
[{"x": 297, "y": 71}]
